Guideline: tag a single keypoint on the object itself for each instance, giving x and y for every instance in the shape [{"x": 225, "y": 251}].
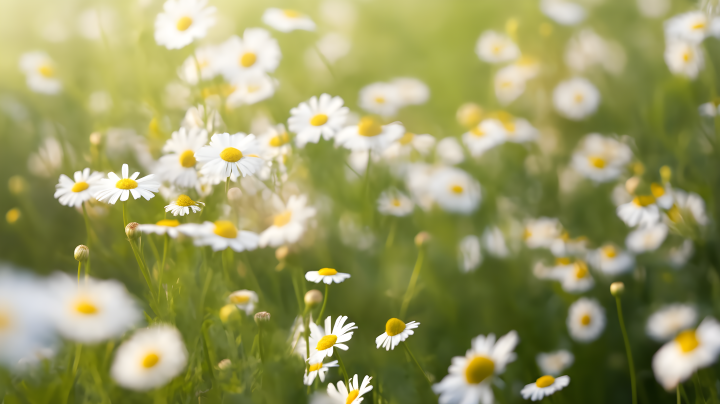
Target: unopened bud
[
  {"x": 631, "y": 184},
  {"x": 469, "y": 115},
  {"x": 313, "y": 297},
  {"x": 95, "y": 138},
  {"x": 665, "y": 173},
  {"x": 224, "y": 364},
  {"x": 234, "y": 195},
  {"x": 422, "y": 238},
  {"x": 227, "y": 311},
  {"x": 617, "y": 289},
  {"x": 17, "y": 185},
  {"x": 262, "y": 317},
  {"x": 82, "y": 253},
  {"x": 131, "y": 230},
  {"x": 282, "y": 253}
]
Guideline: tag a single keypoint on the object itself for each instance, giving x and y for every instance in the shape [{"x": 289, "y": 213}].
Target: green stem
[
  {"x": 125, "y": 222},
  {"x": 677, "y": 389},
  {"x": 88, "y": 230},
  {"x": 325, "y": 61},
  {"x": 633, "y": 383},
  {"x": 391, "y": 235},
  {"x": 366, "y": 187},
  {"x": 342, "y": 367},
  {"x": 162, "y": 266},
  {"x": 260, "y": 342},
  {"x": 322, "y": 309},
  {"x": 413, "y": 281},
  {"x": 79, "y": 269},
  {"x": 407, "y": 348},
  {"x": 227, "y": 186},
  {"x": 143, "y": 269}
]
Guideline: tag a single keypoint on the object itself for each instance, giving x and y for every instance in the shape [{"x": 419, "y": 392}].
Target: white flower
[
  {"x": 678, "y": 256},
  {"x": 601, "y": 158},
  {"x": 495, "y": 47},
  {"x": 396, "y": 331},
  {"x": 709, "y": 109},
  {"x": 411, "y": 91},
  {"x": 586, "y": 320},
  {"x": 150, "y": 358},
  {"x": 93, "y": 310},
  {"x": 326, "y": 275},
  {"x": 483, "y": 137},
  {"x": 203, "y": 65},
  {"x": 553, "y": 363},
  {"x": 351, "y": 394},
  {"x": 112, "y": 188},
  {"x": 642, "y": 211},
  {"x": 684, "y": 58},
  {"x": 229, "y": 155},
  {"x": 287, "y": 20},
  {"x": 317, "y": 117},
  {"x": 493, "y": 241},
  {"x": 250, "y": 89},
  {"x": 332, "y": 46},
  {"x": 203, "y": 118},
  {"x": 470, "y": 377},
  {"x": 646, "y": 239},
  {"x": 469, "y": 255},
  {"x": 455, "y": 191},
  {"x": 178, "y": 166},
  {"x": 257, "y": 52},
  {"x": 691, "y": 350},
  {"x": 221, "y": 235},
  {"x": 40, "y": 73},
  {"x": 380, "y": 98},
  {"x": 369, "y": 134},
  {"x": 509, "y": 83},
  {"x": 574, "y": 277},
  {"x": 517, "y": 130},
  {"x": 688, "y": 206},
  {"x": 74, "y": 192},
  {"x": 609, "y": 260},
  {"x": 162, "y": 227},
  {"x": 692, "y": 27},
  {"x": 317, "y": 370},
  {"x": 542, "y": 232},
  {"x": 576, "y": 99},
  {"x": 409, "y": 143},
  {"x": 394, "y": 203},
  {"x": 183, "y": 205},
  {"x": 47, "y": 160},
  {"x": 289, "y": 224},
  {"x": 544, "y": 387},
  {"x": 322, "y": 342},
  {"x": 563, "y": 12},
  {"x": 668, "y": 321},
  {"x": 183, "y": 21},
  {"x": 449, "y": 151},
  {"x": 245, "y": 300}
]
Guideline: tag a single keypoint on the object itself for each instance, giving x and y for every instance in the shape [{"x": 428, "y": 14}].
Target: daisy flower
[
  {"x": 576, "y": 99},
  {"x": 351, "y": 394},
  {"x": 684, "y": 58},
  {"x": 493, "y": 241},
  {"x": 710, "y": 109},
  {"x": 553, "y": 363},
  {"x": 162, "y": 227},
  {"x": 327, "y": 275},
  {"x": 257, "y": 52},
  {"x": 317, "y": 117},
  {"x": 318, "y": 370},
  {"x": 40, "y": 73},
  {"x": 544, "y": 387},
  {"x": 575, "y": 278},
  {"x": 183, "y": 21},
  {"x": 663, "y": 195},
  {"x": 495, "y": 47},
  {"x": 483, "y": 137},
  {"x": 369, "y": 134},
  {"x": 112, "y": 188},
  {"x": 245, "y": 300},
  {"x": 449, "y": 151},
  {"x": 679, "y": 255},
  {"x": 322, "y": 341},
  {"x": 646, "y": 239},
  {"x": 221, "y": 235},
  {"x": 601, "y": 158},
  {"x": 692, "y": 27},
  {"x": 586, "y": 320},
  {"x": 151, "y": 358},
  {"x": 395, "y": 332},
  {"x": 287, "y": 20},
  {"x": 469, "y": 255},
  {"x": 92, "y": 311},
  {"x": 275, "y": 142},
  {"x": 509, "y": 83},
  {"x": 394, "y": 203},
  {"x": 610, "y": 260},
  {"x": 563, "y": 12},
  {"x": 380, "y": 98},
  {"x": 642, "y": 211},
  {"x": 202, "y": 118},
  {"x": 183, "y": 205},
  {"x": 48, "y": 159},
  {"x": 74, "y": 192},
  {"x": 289, "y": 224},
  {"x": 688, "y": 206},
  {"x": 542, "y": 232},
  {"x": 411, "y": 91},
  {"x": 409, "y": 143},
  {"x": 202, "y": 66},
  {"x": 691, "y": 350},
  {"x": 228, "y": 155},
  {"x": 178, "y": 167},
  {"x": 251, "y": 89},
  {"x": 668, "y": 321},
  {"x": 455, "y": 191},
  {"x": 470, "y": 377}
]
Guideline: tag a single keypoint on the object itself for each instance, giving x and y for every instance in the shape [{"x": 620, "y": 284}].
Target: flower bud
[
  {"x": 313, "y": 297},
  {"x": 131, "y": 230},
  {"x": 17, "y": 185},
  {"x": 234, "y": 195},
  {"x": 617, "y": 289},
  {"x": 631, "y": 184},
  {"x": 665, "y": 174},
  {"x": 224, "y": 364},
  {"x": 262, "y": 317},
  {"x": 227, "y": 311},
  {"x": 422, "y": 238},
  {"x": 469, "y": 115},
  {"x": 95, "y": 138},
  {"x": 82, "y": 253},
  {"x": 282, "y": 253}
]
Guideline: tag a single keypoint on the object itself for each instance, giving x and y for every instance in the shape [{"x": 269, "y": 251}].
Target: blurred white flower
[
  {"x": 554, "y": 363},
  {"x": 369, "y": 134},
  {"x": 469, "y": 254},
  {"x": 483, "y": 137},
  {"x": 679, "y": 255},
  {"x": 396, "y": 331},
  {"x": 177, "y": 96},
  {"x": 162, "y": 227},
  {"x": 178, "y": 166},
  {"x": 493, "y": 241},
  {"x": 709, "y": 109},
  {"x": 201, "y": 117},
  {"x": 394, "y": 203},
  {"x": 404, "y": 147},
  {"x": 274, "y": 143},
  {"x": 379, "y": 98},
  {"x": 574, "y": 278},
  {"x": 182, "y": 22},
  {"x": 40, "y": 72},
  {"x": 74, "y": 192},
  {"x": 48, "y": 159},
  {"x": 351, "y": 394},
  {"x": 653, "y": 8},
  {"x": 318, "y": 370},
  {"x": 601, "y": 158},
  {"x": 586, "y": 49},
  {"x": 245, "y": 300},
  {"x": 641, "y": 211},
  {"x": 220, "y": 235},
  {"x": 544, "y": 387},
  {"x": 669, "y": 320},
  {"x": 112, "y": 188},
  {"x": 251, "y": 89},
  {"x": 339, "y": 13},
  {"x": 228, "y": 155},
  {"x": 203, "y": 65},
  {"x": 99, "y": 102},
  {"x": 542, "y": 232},
  {"x": 688, "y": 206},
  {"x": 97, "y": 22},
  {"x": 324, "y": 341},
  {"x": 563, "y": 12},
  {"x": 496, "y": 47},
  {"x": 332, "y": 46},
  {"x": 318, "y": 117},
  {"x": 286, "y": 20},
  {"x": 692, "y": 27},
  {"x": 586, "y": 320},
  {"x": 645, "y": 239},
  {"x": 455, "y": 191},
  {"x": 411, "y": 91},
  {"x": 289, "y": 223},
  {"x": 576, "y": 99},
  {"x": 509, "y": 83},
  {"x": 257, "y": 52},
  {"x": 449, "y": 151},
  {"x": 684, "y": 58},
  {"x": 610, "y": 260}
]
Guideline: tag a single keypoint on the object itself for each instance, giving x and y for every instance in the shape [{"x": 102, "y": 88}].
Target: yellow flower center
[
  {"x": 326, "y": 342},
  {"x": 281, "y": 139},
  {"x": 80, "y": 186},
  {"x": 674, "y": 214},
  {"x": 609, "y": 251},
  {"x": 187, "y": 159},
  {"x": 318, "y": 120},
  {"x": 686, "y": 56},
  {"x": 231, "y": 154},
  {"x": 4, "y": 320},
  {"x": 183, "y": 23},
  {"x": 579, "y": 98},
  {"x": 184, "y": 200},
  {"x": 282, "y": 219},
  {"x": 496, "y": 49},
  {"x": 396, "y": 202},
  {"x": 315, "y": 367},
  {"x": 126, "y": 183},
  {"x": 369, "y": 127},
  {"x": 248, "y": 59},
  {"x": 644, "y": 200},
  {"x": 657, "y": 190},
  {"x": 168, "y": 223},
  {"x": 380, "y": 99},
  {"x": 223, "y": 228},
  {"x": 597, "y": 162},
  {"x": 545, "y": 381},
  {"x": 479, "y": 369},
  {"x": 352, "y": 396},
  {"x": 457, "y": 189},
  {"x": 698, "y": 25},
  {"x": 150, "y": 360},
  {"x": 687, "y": 341},
  {"x": 585, "y": 319},
  {"x": 562, "y": 261},
  {"x": 240, "y": 298},
  {"x": 85, "y": 307},
  {"x": 406, "y": 138},
  {"x": 291, "y": 13},
  {"x": 476, "y": 131},
  {"x": 394, "y": 327},
  {"x": 46, "y": 71},
  {"x": 581, "y": 270},
  {"x": 327, "y": 272}
]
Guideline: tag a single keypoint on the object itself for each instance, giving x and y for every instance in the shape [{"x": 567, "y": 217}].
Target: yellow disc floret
[
  {"x": 231, "y": 154},
  {"x": 327, "y": 272},
  {"x": 369, "y": 127},
  {"x": 545, "y": 381},
  {"x": 126, "y": 183},
  {"x": 406, "y": 138},
  {"x": 187, "y": 159},
  {"x": 352, "y": 396},
  {"x": 644, "y": 200},
  {"x": 168, "y": 223},
  {"x": 394, "y": 327},
  {"x": 224, "y": 228},
  {"x": 609, "y": 251},
  {"x": 597, "y": 162},
  {"x": 585, "y": 320},
  {"x": 457, "y": 189},
  {"x": 291, "y": 13},
  {"x": 240, "y": 298},
  {"x": 80, "y": 186},
  {"x": 85, "y": 307},
  {"x": 248, "y": 59},
  {"x": 150, "y": 360},
  {"x": 315, "y": 367},
  {"x": 282, "y": 219},
  {"x": 478, "y": 369},
  {"x": 184, "y": 200},
  {"x": 687, "y": 341},
  {"x": 318, "y": 120},
  {"x": 326, "y": 342},
  {"x": 183, "y": 23}
]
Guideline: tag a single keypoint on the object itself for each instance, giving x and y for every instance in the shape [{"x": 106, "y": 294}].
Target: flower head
[
  {"x": 668, "y": 321},
  {"x": 396, "y": 331},
  {"x": 586, "y": 320},
  {"x": 369, "y": 134},
  {"x": 327, "y": 275},
  {"x": 112, "y": 188},
  {"x": 394, "y": 203},
  {"x": 178, "y": 166},
  {"x": 544, "y": 387},
  {"x": 74, "y": 192},
  {"x": 576, "y": 99},
  {"x": 287, "y": 20},
  {"x": 318, "y": 117},
  {"x": 494, "y": 47},
  {"x": 183, "y": 21},
  {"x": 323, "y": 341},
  {"x": 183, "y": 205},
  {"x": 351, "y": 394},
  {"x": 40, "y": 72},
  {"x": 229, "y": 155},
  {"x": 245, "y": 300},
  {"x": 220, "y": 235},
  {"x": 289, "y": 223},
  {"x": 317, "y": 370}
]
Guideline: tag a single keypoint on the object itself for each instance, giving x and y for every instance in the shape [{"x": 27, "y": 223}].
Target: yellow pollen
[
  {"x": 395, "y": 202},
  {"x": 4, "y": 320},
  {"x": 231, "y": 154},
  {"x": 184, "y": 200},
  {"x": 562, "y": 261},
  {"x": 12, "y": 215},
  {"x": 80, "y": 186},
  {"x": 674, "y": 214},
  {"x": 506, "y": 84},
  {"x": 545, "y": 381},
  {"x": 497, "y": 49},
  {"x": 326, "y": 342},
  {"x": 279, "y": 140},
  {"x": 126, "y": 183},
  {"x": 698, "y": 25},
  {"x": 597, "y": 162},
  {"x": 239, "y": 299},
  {"x": 223, "y": 228},
  {"x": 406, "y": 138},
  {"x": 609, "y": 251},
  {"x": 318, "y": 120},
  {"x": 527, "y": 234},
  {"x": 581, "y": 270},
  {"x": 187, "y": 159},
  {"x": 394, "y": 327},
  {"x": 168, "y": 223},
  {"x": 686, "y": 56},
  {"x": 380, "y": 100},
  {"x": 369, "y": 127},
  {"x": 315, "y": 367},
  {"x": 291, "y": 13},
  {"x": 282, "y": 219},
  {"x": 150, "y": 360},
  {"x": 644, "y": 200},
  {"x": 579, "y": 98},
  {"x": 479, "y": 369},
  {"x": 352, "y": 396},
  {"x": 457, "y": 189},
  {"x": 248, "y": 59},
  {"x": 585, "y": 319},
  {"x": 327, "y": 272},
  {"x": 85, "y": 307},
  {"x": 657, "y": 190},
  {"x": 46, "y": 71},
  {"x": 184, "y": 23},
  {"x": 687, "y": 341}
]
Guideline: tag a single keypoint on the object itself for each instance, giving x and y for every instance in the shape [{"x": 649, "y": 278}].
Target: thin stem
[
  {"x": 296, "y": 288},
  {"x": 88, "y": 230},
  {"x": 391, "y": 235},
  {"x": 322, "y": 309},
  {"x": 633, "y": 383},
  {"x": 413, "y": 281},
  {"x": 342, "y": 367},
  {"x": 227, "y": 186},
  {"x": 125, "y": 222},
  {"x": 143, "y": 269},
  {"x": 407, "y": 348},
  {"x": 325, "y": 61},
  {"x": 162, "y": 266},
  {"x": 79, "y": 269},
  {"x": 677, "y": 389},
  {"x": 260, "y": 342},
  {"x": 367, "y": 175}
]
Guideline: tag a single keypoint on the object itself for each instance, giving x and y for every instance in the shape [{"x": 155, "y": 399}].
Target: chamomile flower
[
  {"x": 688, "y": 207},
  {"x": 245, "y": 300},
  {"x": 287, "y": 20},
  {"x": 542, "y": 232},
  {"x": 396, "y": 331},
  {"x": 112, "y": 188},
  {"x": 183, "y": 205},
  {"x": 318, "y": 117},
  {"x": 544, "y": 387},
  {"x": 289, "y": 223},
  {"x": 495, "y": 47},
  {"x": 380, "y": 98},
  {"x": 251, "y": 89},
  {"x": 323, "y": 341},
  {"x": 48, "y": 159},
  {"x": 586, "y": 320},
  {"x": 611, "y": 260},
  {"x": 469, "y": 254},
  {"x": 455, "y": 191},
  {"x": 509, "y": 83},
  {"x": 449, "y": 151},
  {"x": 204, "y": 65},
  {"x": 574, "y": 277},
  {"x": 601, "y": 158},
  {"x": 408, "y": 144},
  {"x": 92, "y": 311},
  {"x": 395, "y": 203},
  {"x": 563, "y": 12},
  {"x": 692, "y": 27},
  {"x": 178, "y": 166},
  {"x": 162, "y": 227},
  {"x": 411, "y": 90},
  {"x": 679, "y": 255},
  {"x": 221, "y": 235},
  {"x": 351, "y": 394},
  {"x": 691, "y": 350},
  {"x": 642, "y": 211},
  {"x": 318, "y": 370},
  {"x": 229, "y": 155},
  {"x": 151, "y": 358},
  {"x": 646, "y": 239},
  {"x": 493, "y": 241},
  {"x": 74, "y": 192},
  {"x": 257, "y": 52},
  {"x": 203, "y": 117},
  {"x": 326, "y": 275},
  {"x": 554, "y": 363},
  {"x": 668, "y": 321},
  {"x": 182, "y": 22},
  {"x": 274, "y": 143},
  {"x": 483, "y": 137},
  {"x": 576, "y": 99},
  {"x": 40, "y": 73},
  {"x": 470, "y": 377},
  {"x": 369, "y": 134},
  {"x": 710, "y": 109},
  {"x": 684, "y": 58}
]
